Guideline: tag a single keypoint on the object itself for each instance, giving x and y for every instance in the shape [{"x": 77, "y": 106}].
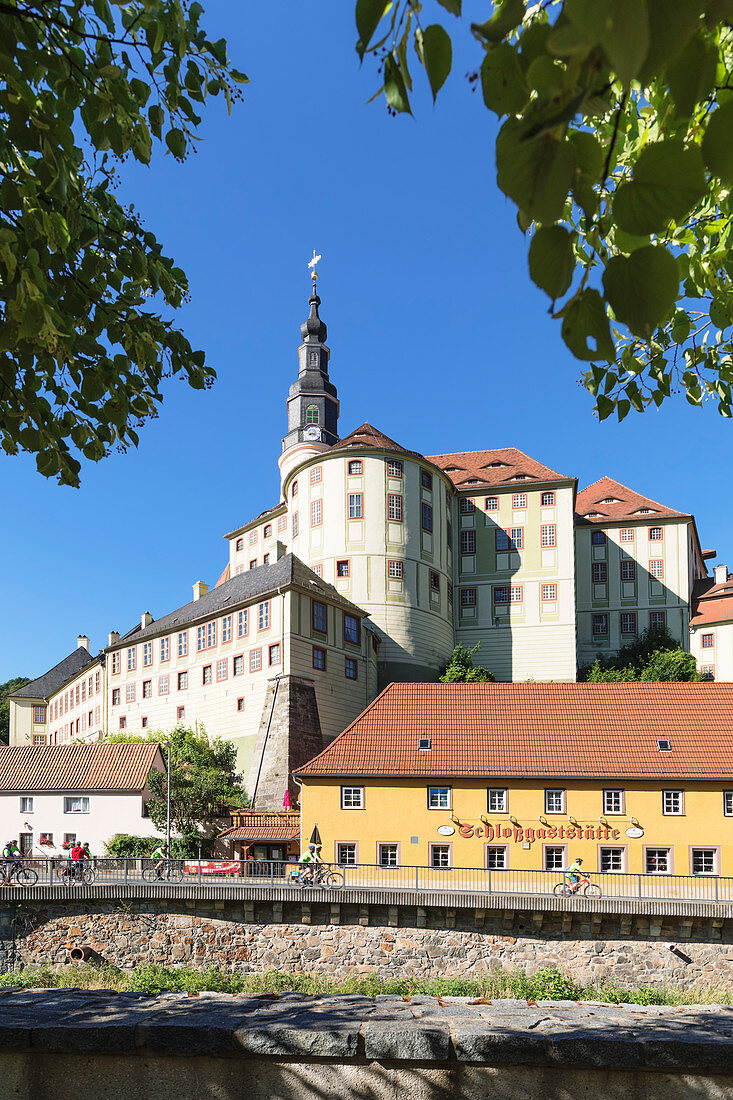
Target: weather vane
[{"x": 313, "y": 264}]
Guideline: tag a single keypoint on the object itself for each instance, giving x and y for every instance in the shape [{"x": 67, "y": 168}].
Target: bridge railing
[{"x": 56, "y": 871}]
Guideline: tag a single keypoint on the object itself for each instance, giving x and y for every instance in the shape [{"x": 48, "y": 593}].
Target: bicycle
[
  {"x": 172, "y": 871},
  {"x": 567, "y": 888},
  {"x": 323, "y": 874},
  {"x": 71, "y": 875},
  {"x": 24, "y": 876}
]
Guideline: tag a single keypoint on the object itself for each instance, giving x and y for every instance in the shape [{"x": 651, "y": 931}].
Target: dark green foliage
[
  {"x": 125, "y": 846},
  {"x": 461, "y": 669},
  {"x": 655, "y": 655},
  {"x": 6, "y": 690},
  {"x": 86, "y": 291}
]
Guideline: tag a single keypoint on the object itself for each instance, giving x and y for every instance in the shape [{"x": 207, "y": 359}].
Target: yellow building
[{"x": 634, "y": 778}]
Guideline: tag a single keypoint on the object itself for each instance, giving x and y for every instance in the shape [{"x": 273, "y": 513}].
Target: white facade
[{"x": 87, "y": 816}]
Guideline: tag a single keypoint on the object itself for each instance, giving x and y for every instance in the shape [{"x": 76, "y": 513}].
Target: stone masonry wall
[{"x": 341, "y": 940}]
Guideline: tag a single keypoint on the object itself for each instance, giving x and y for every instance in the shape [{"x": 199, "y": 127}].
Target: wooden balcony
[{"x": 260, "y": 818}]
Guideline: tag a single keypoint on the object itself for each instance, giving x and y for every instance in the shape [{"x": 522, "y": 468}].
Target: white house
[{"x": 55, "y": 793}]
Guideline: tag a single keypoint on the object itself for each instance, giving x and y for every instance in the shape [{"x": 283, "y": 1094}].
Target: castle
[{"x": 374, "y": 563}]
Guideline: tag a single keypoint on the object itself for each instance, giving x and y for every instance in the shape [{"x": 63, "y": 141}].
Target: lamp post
[{"x": 168, "y": 804}]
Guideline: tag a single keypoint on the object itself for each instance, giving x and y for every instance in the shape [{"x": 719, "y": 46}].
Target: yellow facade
[{"x": 697, "y": 836}]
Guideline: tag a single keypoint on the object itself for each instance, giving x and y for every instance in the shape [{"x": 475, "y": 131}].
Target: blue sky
[{"x": 437, "y": 335}]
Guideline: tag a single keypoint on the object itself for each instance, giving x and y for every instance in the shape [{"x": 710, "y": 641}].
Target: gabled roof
[
  {"x": 499, "y": 467},
  {"x": 78, "y": 767},
  {"x": 280, "y": 507},
  {"x": 48, "y": 684},
  {"x": 538, "y": 730},
  {"x": 711, "y": 602},
  {"x": 608, "y": 501},
  {"x": 242, "y": 589},
  {"x": 367, "y": 436}
]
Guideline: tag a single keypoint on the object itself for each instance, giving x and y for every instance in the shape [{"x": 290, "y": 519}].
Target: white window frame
[
  {"x": 611, "y": 795},
  {"x": 699, "y": 850},
  {"x": 446, "y": 853},
  {"x": 380, "y": 851},
  {"x": 519, "y": 501},
  {"x": 668, "y": 857},
  {"x": 562, "y": 849},
  {"x": 618, "y": 849},
  {"x": 672, "y": 797},
  {"x": 435, "y": 798},
  {"x": 350, "y": 799},
  {"x": 343, "y": 845},
  {"x": 728, "y": 803},
  {"x": 503, "y": 808},
  {"x": 550, "y": 791},
  {"x": 28, "y": 808},
  {"x": 83, "y": 801},
  {"x": 500, "y": 851}
]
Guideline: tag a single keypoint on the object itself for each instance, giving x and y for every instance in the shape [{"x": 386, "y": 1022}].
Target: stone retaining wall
[{"x": 395, "y": 941}]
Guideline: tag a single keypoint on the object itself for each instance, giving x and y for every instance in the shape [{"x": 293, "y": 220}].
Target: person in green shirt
[
  {"x": 160, "y": 852},
  {"x": 575, "y": 871},
  {"x": 309, "y": 859},
  {"x": 11, "y": 858}
]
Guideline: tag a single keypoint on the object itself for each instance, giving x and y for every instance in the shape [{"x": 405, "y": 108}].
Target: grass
[{"x": 547, "y": 984}]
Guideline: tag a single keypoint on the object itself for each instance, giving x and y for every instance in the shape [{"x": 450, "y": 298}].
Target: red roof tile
[
  {"x": 711, "y": 602},
  {"x": 497, "y": 467},
  {"x": 77, "y": 767},
  {"x": 224, "y": 576},
  {"x": 591, "y": 506},
  {"x": 367, "y": 436},
  {"x": 261, "y": 832},
  {"x": 537, "y": 730}
]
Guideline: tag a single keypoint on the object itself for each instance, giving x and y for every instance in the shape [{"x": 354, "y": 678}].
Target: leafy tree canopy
[
  {"x": 617, "y": 149},
  {"x": 461, "y": 669},
  {"x": 204, "y": 778},
  {"x": 6, "y": 690},
  {"x": 654, "y": 655},
  {"x": 86, "y": 292}
]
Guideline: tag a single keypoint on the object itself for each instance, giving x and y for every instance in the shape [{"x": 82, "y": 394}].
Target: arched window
[{"x": 312, "y": 415}]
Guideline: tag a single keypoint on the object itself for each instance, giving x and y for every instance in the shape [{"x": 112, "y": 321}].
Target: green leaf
[
  {"x": 394, "y": 86},
  {"x": 368, "y": 15},
  {"x": 671, "y": 25},
  {"x": 642, "y": 288},
  {"x": 668, "y": 181},
  {"x": 536, "y": 173},
  {"x": 545, "y": 76},
  {"x": 692, "y": 74},
  {"x": 508, "y": 15},
  {"x": 627, "y": 39},
  {"x": 176, "y": 141},
  {"x": 551, "y": 260},
  {"x": 720, "y": 311},
  {"x": 589, "y": 154},
  {"x": 604, "y": 407},
  {"x": 585, "y": 328},
  {"x": 437, "y": 55},
  {"x": 453, "y": 6},
  {"x": 717, "y": 144},
  {"x": 503, "y": 85}
]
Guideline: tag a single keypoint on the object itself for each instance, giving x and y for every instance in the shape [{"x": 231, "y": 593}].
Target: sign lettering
[{"x": 519, "y": 834}]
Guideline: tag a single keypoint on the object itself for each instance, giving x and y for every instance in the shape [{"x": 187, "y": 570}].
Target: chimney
[
  {"x": 200, "y": 589},
  {"x": 146, "y": 619},
  {"x": 113, "y": 637},
  {"x": 82, "y": 641},
  {"x": 721, "y": 574}
]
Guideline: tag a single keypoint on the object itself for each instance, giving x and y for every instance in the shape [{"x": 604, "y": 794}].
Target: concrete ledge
[{"x": 434, "y": 899}]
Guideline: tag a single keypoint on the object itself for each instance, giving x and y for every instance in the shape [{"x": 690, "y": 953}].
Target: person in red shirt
[{"x": 78, "y": 855}]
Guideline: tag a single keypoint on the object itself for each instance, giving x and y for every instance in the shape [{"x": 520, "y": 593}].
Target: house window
[
  {"x": 131, "y": 659},
  {"x": 611, "y": 859},
  {"x": 295, "y": 525},
  {"x": 238, "y": 665},
  {"x": 356, "y": 505},
  {"x": 319, "y": 658},
  {"x": 496, "y": 858},
  {"x": 163, "y": 685},
  {"x": 255, "y": 660},
  {"x": 267, "y": 529},
  {"x": 355, "y": 467},
  {"x": 554, "y": 800},
  {"x": 708, "y": 672},
  {"x": 613, "y": 801},
  {"x": 240, "y": 705},
  {"x": 704, "y": 861},
  {"x": 352, "y": 798},
  {"x": 346, "y": 854},
  {"x": 351, "y": 669},
  {"x": 439, "y": 798},
  {"x": 656, "y": 567},
  {"x": 394, "y": 469},
  {"x": 547, "y": 500},
  {"x": 318, "y": 570},
  {"x": 657, "y": 861},
  {"x": 707, "y": 641},
  {"x": 600, "y": 624},
  {"x": 263, "y": 615},
  {"x": 282, "y": 522},
  {"x": 165, "y": 649},
  {"x": 26, "y": 804},
  {"x": 253, "y": 563},
  {"x": 352, "y": 629},
  {"x": 426, "y": 479},
  {"x": 427, "y": 517},
  {"x": 673, "y": 803},
  {"x": 396, "y": 569},
  {"x": 39, "y": 715},
  {"x": 239, "y": 544},
  {"x": 468, "y": 597},
  {"x": 664, "y": 745},
  {"x": 600, "y": 572},
  {"x": 449, "y": 534},
  {"x": 242, "y": 623},
  {"x": 319, "y": 617},
  {"x": 294, "y": 490},
  {"x": 508, "y": 593},
  {"x": 97, "y": 681},
  {"x": 115, "y": 697},
  {"x": 656, "y": 534},
  {"x": 40, "y": 738},
  {"x": 394, "y": 507},
  {"x": 388, "y": 855},
  {"x": 253, "y": 537},
  {"x": 342, "y": 568},
  {"x": 657, "y": 620},
  {"x": 200, "y": 638},
  {"x": 226, "y": 629},
  {"x": 554, "y": 858},
  {"x": 76, "y": 804},
  {"x": 491, "y": 504},
  {"x": 222, "y": 670},
  {"x": 434, "y": 581},
  {"x": 440, "y": 855},
  {"x": 210, "y": 635},
  {"x": 147, "y": 654},
  {"x": 182, "y": 681},
  {"x": 598, "y": 538},
  {"x": 316, "y": 513},
  {"x": 312, "y": 415},
  {"x": 547, "y": 534},
  {"x": 468, "y": 542},
  {"x": 130, "y": 693},
  {"x": 180, "y": 714},
  {"x": 549, "y": 591},
  {"x": 496, "y": 800},
  {"x": 273, "y": 654},
  {"x": 628, "y": 622},
  {"x": 467, "y": 505},
  {"x": 628, "y": 570},
  {"x": 316, "y": 475},
  {"x": 144, "y": 722},
  {"x": 626, "y": 534},
  {"x": 519, "y": 500}
]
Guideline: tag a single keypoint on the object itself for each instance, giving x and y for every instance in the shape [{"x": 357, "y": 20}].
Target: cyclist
[
  {"x": 309, "y": 859},
  {"x": 160, "y": 852},
  {"x": 574, "y": 873},
  {"x": 11, "y": 859},
  {"x": 78, "y": 855}
]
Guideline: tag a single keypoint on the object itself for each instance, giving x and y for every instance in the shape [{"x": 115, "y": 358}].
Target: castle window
[
  {"x": 394, "y": 507},
  {"x": 351, "y": 669},
  {"x": 598, "y": 538},
  {"x": 547, "y": 499},
  {"x": 396, "y": 569},
  {"x": 468, "y": 542},
  {"x": 628, "y": 622},
  {"x": 427, "y": 517},
  {"x": 355, "y": 467},
  {"x": 343, "y": 568},
  {"x": 426, "y": 479},
  {"x": 267, "y": 532},
  {"x": 320, "y": 617},
  {"x": 708, "y": 641},
  {"x": 315, "y": 476},
  {"x": 519, "y": 500},
  {"x": 657, "y": 620},
  {"x": 312, "y": 415},
  {"x": 656, "y": 567},
  {"x": 549, "y": 591},
  {"x": 627, "y": 534},
  {"x": 655, "y": 534},
  {"x": 352, "y": 629},
  {"x": 468, "y": 597},
  {"x": 356, "y": 505},
  {"x": 628, "y": 571},
  {"x": 319, "y": 658},
  {"x": 600, "y": 624},
  {"x": 394, "y": 469},
  {"x": 467, "y": 505},
  {"x": 599, "y": 572},
  {"x": 547, "y": 534}
]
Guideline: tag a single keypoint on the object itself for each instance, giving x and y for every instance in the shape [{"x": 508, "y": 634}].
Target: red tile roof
[
  {"x": 711, "y": 602},
  {"x": 261, "y": 832},
  {"x": 367, "y": 436},
  {"x": 77, "y": 767},
  {"x": 497, "y": 467},
  {"x": 224, "y": 576},
  {"x": 628, "y": 502},
  {"x": 537, "y": 730}
]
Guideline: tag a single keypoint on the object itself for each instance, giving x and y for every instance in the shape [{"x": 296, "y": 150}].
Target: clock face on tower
[{"x": 312, "y": 433}]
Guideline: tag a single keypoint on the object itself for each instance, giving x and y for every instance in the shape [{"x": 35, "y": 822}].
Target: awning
[{"x": 261, "y": 832}]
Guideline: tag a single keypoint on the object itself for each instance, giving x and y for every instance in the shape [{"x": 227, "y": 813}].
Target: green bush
[
  {"x": 549, "y": 984},
  {"x": 124, "y": 846}
]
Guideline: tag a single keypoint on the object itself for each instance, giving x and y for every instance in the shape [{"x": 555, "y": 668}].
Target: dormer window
[
  {"x": 494, "y": 465},
  {"x": 643, "y": 512},
  {"x": 424, "y": 744},
  {"x": 664, "y": 746},
  {"x": 610, "y": 500}
]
